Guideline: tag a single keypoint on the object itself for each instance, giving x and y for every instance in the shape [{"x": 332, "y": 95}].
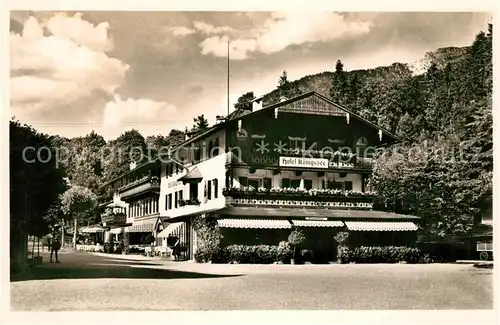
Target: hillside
[
  {"x": 322, "y": 82},
  {"x": 382, "y": 94}
]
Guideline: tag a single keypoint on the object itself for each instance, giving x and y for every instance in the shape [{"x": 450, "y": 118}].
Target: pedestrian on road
[
  {"x": 176, "y": 251},
  {"x": 54, "y": 248}
]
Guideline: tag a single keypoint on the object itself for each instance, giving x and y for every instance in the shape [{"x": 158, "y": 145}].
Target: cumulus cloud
[
  {"x": 282, "y": 30},
  {"x": 209, "y": 29},
  {"x": 120, "y": 114},
  {"x": 119, "y": 111},
  {"x": 61, "y": 62},
  {"x": 180, "y": 30}
]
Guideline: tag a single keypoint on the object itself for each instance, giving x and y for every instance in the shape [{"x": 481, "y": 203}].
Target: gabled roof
[{"x": 242, "y": 114}]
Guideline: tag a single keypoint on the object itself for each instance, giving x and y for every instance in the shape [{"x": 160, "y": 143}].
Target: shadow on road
[{"x": 120, "y": 272}]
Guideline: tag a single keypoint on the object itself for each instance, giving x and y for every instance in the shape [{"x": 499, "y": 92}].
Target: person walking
[
  {"x": 54, "y": 248},
  {"x": 176, "y": 251}
]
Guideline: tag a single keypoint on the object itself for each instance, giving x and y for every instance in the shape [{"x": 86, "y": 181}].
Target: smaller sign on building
[
  {"x": 316, "y": 218},
  {"x": 174, "y": 184},
  {"x": 303, "y": 162}
]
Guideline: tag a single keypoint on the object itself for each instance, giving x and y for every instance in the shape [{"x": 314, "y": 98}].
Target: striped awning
[
  {"x": 169, "y": 230},
  {"x": 318, "y": 223},
  {"x": 145, "y": 227},
  {"x": 116, "y": 230},
  {"x": 254, "y": 223},
  {"x": 91, "y": 230},
  {"x": 380, "y": 226}
]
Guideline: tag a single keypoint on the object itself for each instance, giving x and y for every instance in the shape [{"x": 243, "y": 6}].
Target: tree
[
  {"x": 245, "y": 101},
  {"x": 35, "y": 184},
  {"x": 296, "y": 238},
  {"x": 286, "y": 88},
  {"x": 200, "y": 123},
  {"x": 176, "y": 137},
  {"x": 339, "y": 90},
  {"x": 129, "y": 146},
  {"x": 76, "y": 203}
]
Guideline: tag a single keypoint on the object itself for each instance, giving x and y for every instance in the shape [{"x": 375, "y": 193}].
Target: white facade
[{"x": 213, "y": 171}]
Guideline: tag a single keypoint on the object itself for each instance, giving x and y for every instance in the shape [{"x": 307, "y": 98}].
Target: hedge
[
  {"x": 255, "y": 254},
  {"x": 382, "y": 254}
]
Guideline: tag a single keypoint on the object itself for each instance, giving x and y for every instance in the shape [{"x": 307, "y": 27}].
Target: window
[
  {"x": 197, "y": 154},
  {"x": 255, "y": 182},
  {"x": 335, "y": 185},
  {"x": 176, "y": 199},
  {"x": 308, "y": 184},
  {"x": 180, "y": 195},
  {"x": 285, "y": 182},
  {"x": 209, "y": 190},
  {"x": 170, "y": 201},
  {"x": 193, "y": 191},
  {"x": 216, "y": 187},
  {"x": 243, "y": 181},
  {"x": 267, "y": 183},
  {"x": 348, "y": 186},
  {"x": 215, "y": 151},
  {"x": 295, "y": 183}
]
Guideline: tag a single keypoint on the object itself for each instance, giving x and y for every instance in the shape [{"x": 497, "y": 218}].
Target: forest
[{"x": 441, "y": 170}]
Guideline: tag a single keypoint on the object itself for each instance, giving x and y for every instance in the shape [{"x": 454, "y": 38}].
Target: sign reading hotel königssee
[{"x": 303, "y": 162}]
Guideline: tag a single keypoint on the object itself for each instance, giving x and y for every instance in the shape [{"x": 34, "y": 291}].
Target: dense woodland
[{"x": 442, "y": 170}]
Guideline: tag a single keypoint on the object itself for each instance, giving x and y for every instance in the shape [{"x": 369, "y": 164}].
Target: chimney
[
  {"x": 257, "y": 104},
  {"x": 283, "y": 98},
  {"x": 132, "y": 165}
]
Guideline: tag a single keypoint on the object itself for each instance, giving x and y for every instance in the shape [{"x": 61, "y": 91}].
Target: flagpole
[{"x": 228, "y": 78}]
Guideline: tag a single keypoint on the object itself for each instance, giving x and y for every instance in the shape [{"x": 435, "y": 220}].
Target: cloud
[
  {"x": 209, "y": 29},
  {"x": 180, "y": 30},
  {"x": 121, "y": 114},
  {"x": 61, "y": 62},
  {"x": 282, "y": 30}
]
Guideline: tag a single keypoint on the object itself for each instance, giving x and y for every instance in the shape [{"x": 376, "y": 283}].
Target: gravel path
[{"x": 101, "y": 282}]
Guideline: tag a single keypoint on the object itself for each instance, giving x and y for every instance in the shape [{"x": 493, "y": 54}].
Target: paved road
[{"x": 100, "y": 282}]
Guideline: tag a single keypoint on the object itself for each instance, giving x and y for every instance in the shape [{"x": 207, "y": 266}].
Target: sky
[{"x": 74, "y": 72}]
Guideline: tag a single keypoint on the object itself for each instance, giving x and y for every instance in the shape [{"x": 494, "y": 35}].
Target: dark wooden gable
[{"x": 312, "y": 104}]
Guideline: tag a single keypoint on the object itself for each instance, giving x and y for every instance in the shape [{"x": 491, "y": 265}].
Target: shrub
[
  {"x": 258, "y": 254},
  {"x": 284, "y": 251},
  {"x": 382, "y": 254},
  {"x": 209, "y": 238},
  {"x": 296, "y": 238},
  {"x": 306, "y": 255}
]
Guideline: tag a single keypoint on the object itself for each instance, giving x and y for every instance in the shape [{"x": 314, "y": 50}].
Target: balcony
[
  {"x": 139, "y": 187},
  {"x": 290, "y": 197},
  {"x": 110, "y": 218}
]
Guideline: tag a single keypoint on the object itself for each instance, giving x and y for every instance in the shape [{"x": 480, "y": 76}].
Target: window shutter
[
  {"x": 216, "y": 187},
  {"x": 209, "y": 189}
]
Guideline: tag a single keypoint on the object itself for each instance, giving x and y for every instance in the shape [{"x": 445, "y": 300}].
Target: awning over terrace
[
  {"x": 91, "y": 230},
  {"x": 145, "y": 227},
  {"x": 170, "y": 229},
  {"x": 340, "y": 214},
  {"x": 254, "y": 223},
  {"x": 318, "y": 223},
  {"x": 380, "y": 226}
]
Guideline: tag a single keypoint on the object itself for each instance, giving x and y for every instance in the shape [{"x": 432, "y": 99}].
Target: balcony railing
[
  {"x": 147, "y": 184},
  {"x": 301, "y": 198},
  {"x": 114, "y": 218}
]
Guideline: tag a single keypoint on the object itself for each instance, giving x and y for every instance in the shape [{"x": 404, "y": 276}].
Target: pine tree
[{"x": 339, "y": 89}]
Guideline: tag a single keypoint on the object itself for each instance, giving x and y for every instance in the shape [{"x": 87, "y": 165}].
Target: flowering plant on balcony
[
  {"x": 189, "y": 202},
  {"x": 295, "y": 191},
  {"x": 154, "y": 180}
]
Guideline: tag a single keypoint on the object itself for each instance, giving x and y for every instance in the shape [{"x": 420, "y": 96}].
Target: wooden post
[
  {"x": 62, "y": 233},
  {"x": 38, "y": 246}
]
